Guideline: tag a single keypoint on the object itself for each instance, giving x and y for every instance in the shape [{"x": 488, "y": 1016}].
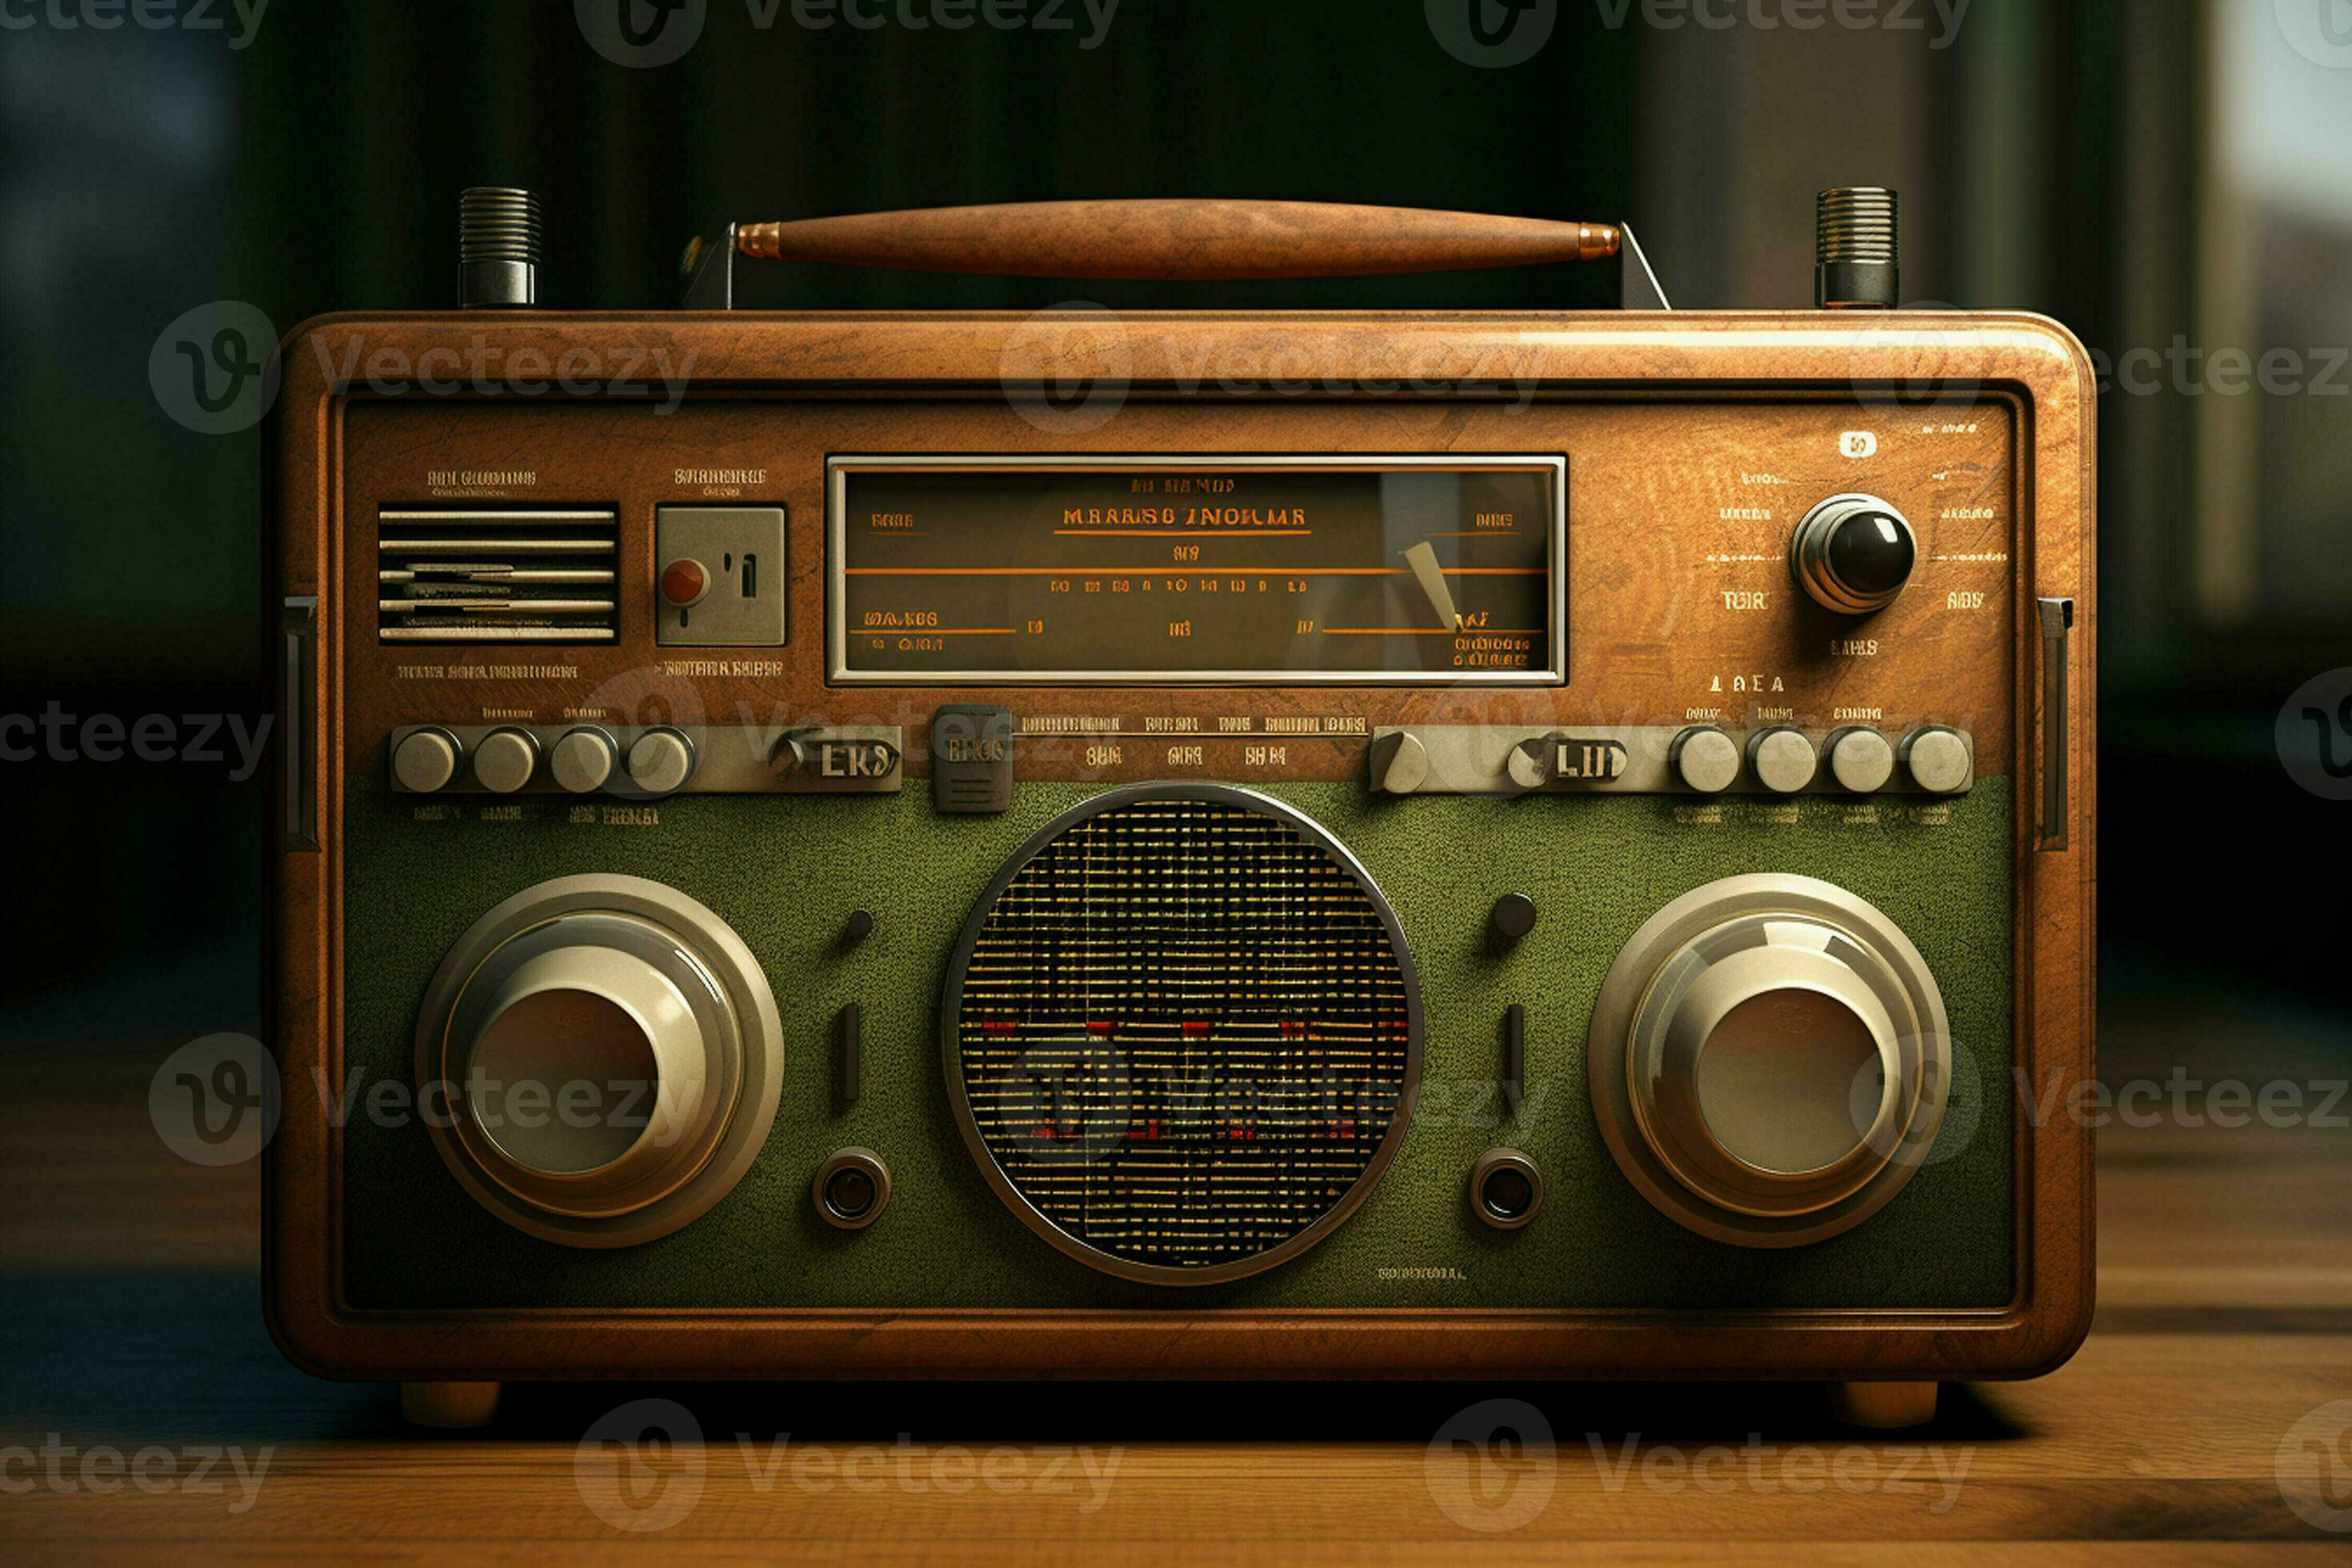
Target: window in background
[{"x": 2272, "y": 527}]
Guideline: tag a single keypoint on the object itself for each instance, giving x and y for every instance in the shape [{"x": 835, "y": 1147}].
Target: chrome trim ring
[
  {"x": 688, "y": 982},
  {"x": 1769, "y": 1060},
  {"x": 1808, "y": 555}
]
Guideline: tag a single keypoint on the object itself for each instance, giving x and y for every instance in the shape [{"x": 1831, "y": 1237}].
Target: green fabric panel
[{"x": 785, "y": 871}]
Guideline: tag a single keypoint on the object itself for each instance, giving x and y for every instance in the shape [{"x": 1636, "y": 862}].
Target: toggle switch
[{"x": 718, "y": 576}]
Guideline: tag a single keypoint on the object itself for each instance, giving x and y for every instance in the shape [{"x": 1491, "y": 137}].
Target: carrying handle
[
  {"x": 1176, "y": 240},
  {"x": 2057, "y": 618}
]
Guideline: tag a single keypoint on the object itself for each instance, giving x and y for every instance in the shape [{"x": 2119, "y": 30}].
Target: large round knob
[
  {"x": 585, "y": 1058},
  {"x": 661, "y": 761},
  {"x": 424, "y": 760},
  {"x": 1853, "y": 553},
  {"x": 1705, "y": 759},
  {"x": 504, "y": 760},
  {"x": 602, "y": 1058},
  {"x": 1782, "y": 759},
  {"x": 581, "y": 760},
  {"x": 1770, "y": 1059}
]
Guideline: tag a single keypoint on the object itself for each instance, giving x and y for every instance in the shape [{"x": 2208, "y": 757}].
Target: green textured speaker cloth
[{"x": 785, "y": 871}]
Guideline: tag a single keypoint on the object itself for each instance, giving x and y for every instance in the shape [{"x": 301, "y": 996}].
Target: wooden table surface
[{"x": 133, "y": 1355}]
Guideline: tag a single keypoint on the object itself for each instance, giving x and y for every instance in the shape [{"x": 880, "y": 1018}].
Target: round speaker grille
[{"x": 1182, "y": 1033}]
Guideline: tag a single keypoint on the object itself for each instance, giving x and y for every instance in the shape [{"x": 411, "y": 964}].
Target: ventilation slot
[{"x": 496, "y": 574}]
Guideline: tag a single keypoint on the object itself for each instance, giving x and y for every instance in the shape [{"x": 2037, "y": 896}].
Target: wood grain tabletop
[{"x": 145, "y": 1417}]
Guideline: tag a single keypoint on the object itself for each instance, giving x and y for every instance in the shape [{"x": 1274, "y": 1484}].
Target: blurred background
[{"x": 2167, "y": 177}]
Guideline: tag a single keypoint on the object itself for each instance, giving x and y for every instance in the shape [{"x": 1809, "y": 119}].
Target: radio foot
[
  {"x": 1882, "y": 1406},
  {"x": 449, "y": 1405}
]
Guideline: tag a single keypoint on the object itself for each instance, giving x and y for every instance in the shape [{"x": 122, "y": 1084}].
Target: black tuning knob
[
  {"x": 1513, "y": 916},
  {"x": 1853, "y": 553}
]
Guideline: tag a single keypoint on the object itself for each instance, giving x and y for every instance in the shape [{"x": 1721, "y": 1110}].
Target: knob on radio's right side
[{"x": 1853, "y": 553}]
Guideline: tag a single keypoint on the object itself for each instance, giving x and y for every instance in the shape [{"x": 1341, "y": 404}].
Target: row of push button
[
  {"x": 1786, "y": 762},
  {"x": 582, "y": 760}
]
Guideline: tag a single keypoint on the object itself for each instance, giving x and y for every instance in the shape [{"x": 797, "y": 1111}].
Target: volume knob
[{"x": 1853, "y": 553}]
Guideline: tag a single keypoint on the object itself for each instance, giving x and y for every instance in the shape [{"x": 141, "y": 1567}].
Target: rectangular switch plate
[{"x": 741, "y": 549}]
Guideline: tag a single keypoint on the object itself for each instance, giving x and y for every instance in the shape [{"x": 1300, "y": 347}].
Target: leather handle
[{"x": 1161, "y": 239}]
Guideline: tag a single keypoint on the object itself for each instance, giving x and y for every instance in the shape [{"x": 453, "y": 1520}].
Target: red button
[{"x": 683, "y": 581}]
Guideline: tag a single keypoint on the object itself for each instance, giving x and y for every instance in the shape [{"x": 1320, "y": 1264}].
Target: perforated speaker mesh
[{"x": 1181, "y": 1031}]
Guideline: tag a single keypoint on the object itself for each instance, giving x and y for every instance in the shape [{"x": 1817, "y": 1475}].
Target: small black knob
[
  {"x": 856, "y": 929},
  {"x": 1873, "y": 552},
  {"x": 1505, "y": 1190},
  {"x": 851, "y": 1189},
  {"x": 1513, "y": 916},
  {"x": 1853, "y": 553}
]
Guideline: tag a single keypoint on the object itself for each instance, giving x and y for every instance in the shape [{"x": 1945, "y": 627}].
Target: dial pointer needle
[{"x": 1424, "y": 559}]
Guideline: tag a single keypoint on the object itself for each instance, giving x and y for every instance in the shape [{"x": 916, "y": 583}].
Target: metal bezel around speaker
[
  {"x": 1666, "y": 1150},
  {"x": 740, "y": 1032},
  {"x": 951, "y": 1049}
]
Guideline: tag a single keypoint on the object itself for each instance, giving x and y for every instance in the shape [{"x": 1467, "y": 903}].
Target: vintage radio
[{"x": 1207, "y": 844}]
